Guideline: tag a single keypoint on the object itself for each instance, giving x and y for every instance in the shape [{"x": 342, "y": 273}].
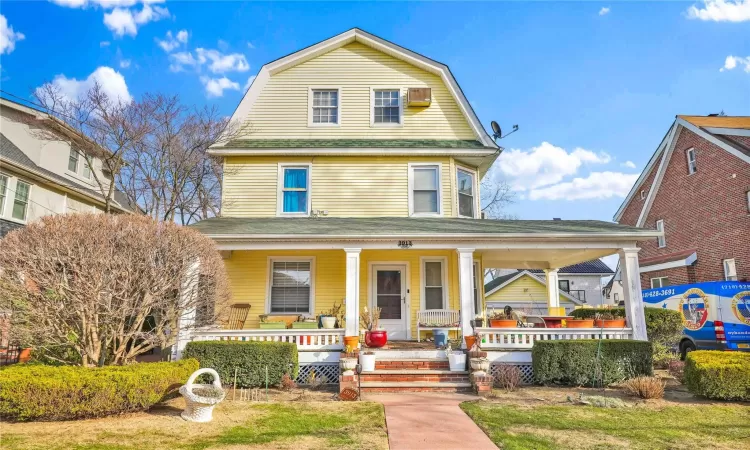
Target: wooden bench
[{"x": 433, "y": 319}]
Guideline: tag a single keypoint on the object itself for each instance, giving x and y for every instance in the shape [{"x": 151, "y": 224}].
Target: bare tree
[
  {"x": 496, "y": 197},
  {"x": 105, "y": 288}
]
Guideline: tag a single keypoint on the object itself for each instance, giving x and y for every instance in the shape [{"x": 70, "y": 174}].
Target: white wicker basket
[{"x": 198, "y": 408}]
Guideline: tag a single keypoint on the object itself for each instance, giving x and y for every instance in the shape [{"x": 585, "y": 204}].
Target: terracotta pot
[
  {"x": 352, "y": 342},
  {"x": 503, "y": 323},
  {"x": 376, "y": 339},
  {"x": 24, "y": 355},
  {"x": 470, "y": 341},
  {"x": 579, "y": 323},
  {"x": 609, "y": 323}
]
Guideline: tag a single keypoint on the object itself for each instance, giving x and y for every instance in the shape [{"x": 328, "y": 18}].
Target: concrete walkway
[{"x": 430, "y": 420}]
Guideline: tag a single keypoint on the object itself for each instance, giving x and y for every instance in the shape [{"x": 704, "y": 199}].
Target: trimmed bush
[
  {"x": 249, "y": 358},
  {"x": 718, "y": 375},
  {"x": 38, "y": 392},
  {"x": 590, "y": 362}
]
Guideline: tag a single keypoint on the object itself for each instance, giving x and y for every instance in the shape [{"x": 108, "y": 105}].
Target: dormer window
[
  {"x": 324, "y": 107},
  {"x": 73, "y": 161},
  {"x": 386, "y": 107}
]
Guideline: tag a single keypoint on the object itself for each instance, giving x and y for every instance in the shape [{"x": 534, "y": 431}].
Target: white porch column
[
  {"x": 352, "y": 291},
  {"x": 466, "y": 290},
  {"x": 553, "y": 292},
  {"x": 631, "y": 283},
  {"x": 186, "y": 322}
]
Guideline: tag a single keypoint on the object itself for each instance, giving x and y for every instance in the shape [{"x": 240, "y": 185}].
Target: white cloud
[
  {"x": 721, "y": 11},
  {"x": 172, "y": 42},
  {"x": 111, "y": 82},
  {"x": 8, "y": 37},
  {"x": 250, "y": 46},
  {"x": 628, "y": 164},
  {"x": 104, "y": 44},
  {"x": 732, "y": 61},
  {"x": 249, "y": 83},
  {"x": 217, "y": 62},
  {"x": 604, "y": 11},
  {"x": 598, "y": 185},
  {"x": 215, "y": 87},
  {"x": 125, "y": 63},
  {"x": 543, "y": 165},
  {"x": 126, "y": 21},
  {"x": 105, "y": 4}
]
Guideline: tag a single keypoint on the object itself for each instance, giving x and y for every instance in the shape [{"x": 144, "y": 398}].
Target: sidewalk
[{"x": 430, "y": 421}]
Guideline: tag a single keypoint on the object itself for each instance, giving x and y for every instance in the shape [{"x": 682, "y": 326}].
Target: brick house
[{"x": 696, "y": 187}]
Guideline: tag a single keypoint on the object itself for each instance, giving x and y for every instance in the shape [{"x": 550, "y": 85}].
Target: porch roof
[
  {"x": 411, "y": 227},
  {"x": 356, "y": 143}
]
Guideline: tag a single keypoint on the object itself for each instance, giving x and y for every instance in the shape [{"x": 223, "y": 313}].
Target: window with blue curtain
[{"x": 295, "y": 190}]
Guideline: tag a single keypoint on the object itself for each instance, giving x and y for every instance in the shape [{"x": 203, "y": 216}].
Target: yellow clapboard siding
[
  {"x": 248, "y": 273},
  {"x": 525, "y": 289},
  {"x": 281, "y": 109},
  {"x": 345, "y": 186}
]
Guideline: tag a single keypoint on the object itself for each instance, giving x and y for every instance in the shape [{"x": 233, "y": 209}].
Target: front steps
[{"x": 402, "y": 372}]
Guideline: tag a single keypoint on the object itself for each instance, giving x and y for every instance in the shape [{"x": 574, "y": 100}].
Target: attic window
[
  {"x": 386, "y": 107},
  {"x": 324, "y": 107},
  {"x": 643, "y": 194},
  {"x": 692, "y": 166}
]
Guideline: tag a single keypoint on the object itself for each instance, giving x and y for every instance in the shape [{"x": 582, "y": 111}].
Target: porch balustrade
[
  {"x": 524, "y": 338},
  {"x": 307, "y": 340}
]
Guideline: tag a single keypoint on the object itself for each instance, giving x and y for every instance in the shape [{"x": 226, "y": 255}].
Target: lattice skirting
[
  {"x": 328, "y": 372},
  {"x": 527, "y": 374}
]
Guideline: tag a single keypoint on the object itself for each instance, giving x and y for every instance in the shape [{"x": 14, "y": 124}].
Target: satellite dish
[{"x": 497, "y": 132}]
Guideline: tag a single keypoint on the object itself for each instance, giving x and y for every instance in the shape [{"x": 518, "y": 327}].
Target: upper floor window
[
  {"x": 21, "y": 201},
  {"x": 291, "y": 286},
  {"x": 73, "y": 160},
  {"x": 643, "y": 194},
  {"x": 692, "y": 167},
  {"x": 424, "y": 187},
  {"x": 465, "y": 193},
  {"x": 86, "y": 169},
  {"x": 386, "y": 107},
  {"x": 661, "y": 240},
  {"x": 564, "y": 285},
  {"x": 747, "y": 195},
  {"x": 730, "y": 270},
  {"x": 294, "y": 192},
  {"x": 659, "y": 282},
  {"x": 3, "y": 190},
  {"x": 324, "y": 107}
]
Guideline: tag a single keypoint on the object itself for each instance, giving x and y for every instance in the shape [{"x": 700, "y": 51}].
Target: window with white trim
[
  {"x": 643, "y": 194},
  {"x": 434, "y": 285},
  {"x": 21, "y": 200},
  {"x": 425, "y": 189},
  {"x": 465, "y": 180},
  {"x": 295, "y": 190},
  {"x": 691, "y": 163},
  {"x": 86, "y": 169},
  {"x": 290, "y": 287},
  {"x": 617, "y": 296},
  {"x": 747, "y": 195},
  {"x": 730, "y": 270},
  {"x": 386, "y": 106},
  {"x": 73, "y": 160},
  {"x": 3, "y": 192},
  {"x": 325, "y": 107},
  {"x": 661, "y": 240},
  {"x": 659, "y": 282}
]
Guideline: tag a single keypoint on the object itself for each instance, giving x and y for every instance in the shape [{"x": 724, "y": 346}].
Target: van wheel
[{"x": 686, "y": 347}]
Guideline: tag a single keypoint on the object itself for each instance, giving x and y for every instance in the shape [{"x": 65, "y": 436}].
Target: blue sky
[{"x": 593, "y": 86}]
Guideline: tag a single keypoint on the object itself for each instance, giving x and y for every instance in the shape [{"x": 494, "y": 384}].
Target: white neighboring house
[
  {"x": 614, "y": 292},
  {"x": 40, "y": 176}
]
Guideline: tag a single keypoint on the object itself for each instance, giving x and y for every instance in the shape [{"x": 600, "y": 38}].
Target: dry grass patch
[{"x": 645, "y": 387}]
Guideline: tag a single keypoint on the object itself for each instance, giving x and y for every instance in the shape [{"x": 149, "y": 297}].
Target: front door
[{"x": 389, "y": 294}]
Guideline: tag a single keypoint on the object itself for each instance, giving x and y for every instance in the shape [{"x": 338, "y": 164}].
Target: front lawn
[
  {"x": 639, "y": 427},
  {"x": 297, "y": 425}
]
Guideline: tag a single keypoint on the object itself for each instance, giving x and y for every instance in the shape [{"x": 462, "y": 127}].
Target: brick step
[
  {"x": 415, "y": 375},
  {"x": 415, "y": 386},
  {"x": 413, "y": 364}
]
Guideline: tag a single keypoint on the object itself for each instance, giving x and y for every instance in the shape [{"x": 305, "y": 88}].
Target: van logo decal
[
  {"x": 694, "y": 309},
  {"x": 741, "y": 306}
]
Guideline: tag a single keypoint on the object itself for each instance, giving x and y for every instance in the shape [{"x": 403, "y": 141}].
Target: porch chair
[
  {"x": 433, "y": 319},
  {"x": 238, "y": 316}
]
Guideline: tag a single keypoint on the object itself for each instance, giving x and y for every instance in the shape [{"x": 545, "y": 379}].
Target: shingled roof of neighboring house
[
  {"x": 595, "y": 266},
  {"x": 11, "y": 153}
]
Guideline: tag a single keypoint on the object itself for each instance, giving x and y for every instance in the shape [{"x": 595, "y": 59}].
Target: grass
[
  {"x": 294, "y": 425},
  {"x": 588, "y": 427}
]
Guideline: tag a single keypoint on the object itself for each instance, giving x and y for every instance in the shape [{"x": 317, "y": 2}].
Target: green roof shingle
[{"x": 355, "y": 143}]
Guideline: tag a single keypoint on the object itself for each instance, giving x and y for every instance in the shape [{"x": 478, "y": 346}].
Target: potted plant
[
  {"x": 200, "y": 399},
  {"x": 367, "y": 360},
  {"x": 608, "y": 320},
  {"x": 328, "y": 319},
  {"x": 503, "y": 319},
  {"x": 471, "y": 340},
  {"x": 456, "y": 359},
  {"x": 305, "y": 323},
  {"x": 579, "y": 323},
  {"x": 348, "y": 361},
  {"x": 478, "y": 321},
  {"x": 265, "y": 324},
  {"x": 374, "y": 336},
  {"x": 480, "y": 365}
]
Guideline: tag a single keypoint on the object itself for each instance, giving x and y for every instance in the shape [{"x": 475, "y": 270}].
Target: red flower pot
[{"x": 376, "y": 339}]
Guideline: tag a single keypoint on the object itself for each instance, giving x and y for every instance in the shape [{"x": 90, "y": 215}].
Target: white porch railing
[
  {"x": 524, "y": 338},
  {"x": 309, "y": 340}
]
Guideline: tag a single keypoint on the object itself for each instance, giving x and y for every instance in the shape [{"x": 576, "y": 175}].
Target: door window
[{"x": 389, "y": 294}]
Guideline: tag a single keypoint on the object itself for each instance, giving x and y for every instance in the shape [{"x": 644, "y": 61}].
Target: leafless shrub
[
  {"x": 287, "y": 383},
  {"x": 99, "y": 289},
  {"x": 508, "y": 377},
  {"x": 645, "y": 387}
]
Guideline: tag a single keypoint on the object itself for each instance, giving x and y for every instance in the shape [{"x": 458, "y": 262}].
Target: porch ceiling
[{"x": 540, "y": 258}]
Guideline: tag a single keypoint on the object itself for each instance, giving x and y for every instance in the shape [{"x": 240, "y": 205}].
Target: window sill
[
  {"x": 14, "y": 220},
  {"x": 323, "y": 125},
  {"x": 283, "y": 214},
  {"x": 426, "y": 215},
  {"x": 386, "y": 125},
  {"x": 81, "y": 178}
]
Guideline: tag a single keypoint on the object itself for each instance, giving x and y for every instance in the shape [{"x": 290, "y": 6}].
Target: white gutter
[{"x": 459, "y": 236}]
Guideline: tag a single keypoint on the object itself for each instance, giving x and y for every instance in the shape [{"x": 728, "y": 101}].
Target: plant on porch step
[
  {"x": 503, "y": 319},
  {"x": 456, "y": 359},
  {"x": 374, "y": 336}
]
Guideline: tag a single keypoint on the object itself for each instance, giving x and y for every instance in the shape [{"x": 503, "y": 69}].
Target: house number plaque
[{"x": 405, "y": 244}]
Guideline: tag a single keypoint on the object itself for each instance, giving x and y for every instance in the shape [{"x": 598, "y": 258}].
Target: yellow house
[
  {"x": 355, "y": 179},
  {"x": 523, "y": 291}
]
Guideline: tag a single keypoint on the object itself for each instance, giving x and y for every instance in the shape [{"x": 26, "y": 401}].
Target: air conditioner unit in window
[{"x": 419, "y": 97}]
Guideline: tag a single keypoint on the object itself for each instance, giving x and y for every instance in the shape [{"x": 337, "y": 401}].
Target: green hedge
[
  {"x": 664, "y": 326},
  {"x": 575, "y": 362},
  {"x": 718, "y": 375},
  {"x": 249, "y": 358},
  {"x": 39, "y": 392}
]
